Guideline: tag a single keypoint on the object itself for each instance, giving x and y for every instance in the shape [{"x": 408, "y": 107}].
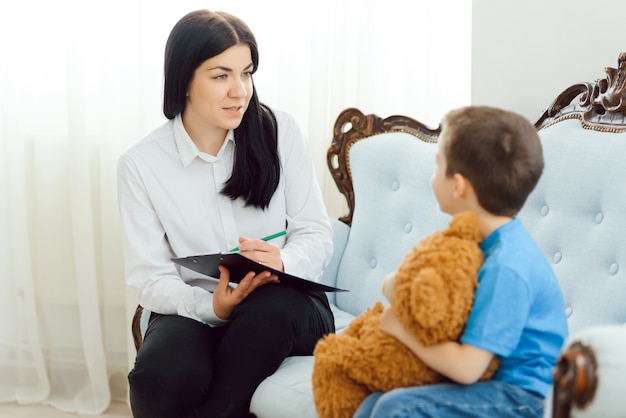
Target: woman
[{"x": 224, "y": 171}]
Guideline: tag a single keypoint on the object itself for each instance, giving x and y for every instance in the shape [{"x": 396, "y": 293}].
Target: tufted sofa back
[
  {"x": 577, "y": 215},
  {"x": 394, "y": 209}
]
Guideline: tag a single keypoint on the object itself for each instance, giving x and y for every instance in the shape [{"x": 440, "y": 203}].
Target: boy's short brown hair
[{"x": 498, "y": 151}]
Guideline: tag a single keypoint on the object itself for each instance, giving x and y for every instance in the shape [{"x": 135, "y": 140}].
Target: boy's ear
[{"x": 461, "y": 186}]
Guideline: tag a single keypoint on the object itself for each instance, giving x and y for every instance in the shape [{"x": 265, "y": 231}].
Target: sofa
[{"x": 577, "y": 214}]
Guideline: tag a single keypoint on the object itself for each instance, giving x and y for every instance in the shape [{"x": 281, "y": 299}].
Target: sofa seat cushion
[{"x": 288, "y": 393}]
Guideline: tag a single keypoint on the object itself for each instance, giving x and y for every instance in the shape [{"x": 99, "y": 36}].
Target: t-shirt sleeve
[{"x": 501, "y": 307}]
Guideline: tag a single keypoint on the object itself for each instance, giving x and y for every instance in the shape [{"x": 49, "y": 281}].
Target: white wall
[{"x": 526, "y": 52}]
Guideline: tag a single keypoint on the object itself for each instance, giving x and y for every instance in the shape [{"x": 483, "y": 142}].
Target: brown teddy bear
[{"x": 433, "y": 292}]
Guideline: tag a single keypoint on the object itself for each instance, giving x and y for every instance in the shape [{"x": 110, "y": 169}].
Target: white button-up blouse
[{"x": 171, "y": 206}]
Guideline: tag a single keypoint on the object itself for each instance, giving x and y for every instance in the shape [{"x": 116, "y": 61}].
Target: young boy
[{"x": 488, "y": 160}]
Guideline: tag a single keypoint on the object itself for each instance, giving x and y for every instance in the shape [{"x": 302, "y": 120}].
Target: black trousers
[{"x": 188, "y": 369}]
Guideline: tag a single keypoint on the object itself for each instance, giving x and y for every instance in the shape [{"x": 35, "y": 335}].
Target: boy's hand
[
  {"x": 387, "y": 286},
  {"x": 225, "y": 298},
  {"x": 390, "y": 324}
]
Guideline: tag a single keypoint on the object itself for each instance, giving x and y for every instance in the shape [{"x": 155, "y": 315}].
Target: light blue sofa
[
  {"x": 577, "y": 214},
  {"x": 384, "y": 169}
]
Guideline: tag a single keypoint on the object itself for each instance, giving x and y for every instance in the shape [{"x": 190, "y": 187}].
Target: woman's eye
[
  {"x": 247, "y": 74},
  {"x": 220, "y": 77}
]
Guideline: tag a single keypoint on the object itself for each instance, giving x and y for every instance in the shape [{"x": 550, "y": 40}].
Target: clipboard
[{"x": 239, "y": 266}]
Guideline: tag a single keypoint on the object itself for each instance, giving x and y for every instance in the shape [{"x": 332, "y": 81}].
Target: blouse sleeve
[{"x": 147, "y": 254}]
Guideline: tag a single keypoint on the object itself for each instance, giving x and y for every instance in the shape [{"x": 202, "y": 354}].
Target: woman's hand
[
  {"x": 225, "y": 298},
  {"x": 262, "y": 252}
]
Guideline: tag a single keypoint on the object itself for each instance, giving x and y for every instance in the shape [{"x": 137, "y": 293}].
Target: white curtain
[{"x": 81, "y": 80}]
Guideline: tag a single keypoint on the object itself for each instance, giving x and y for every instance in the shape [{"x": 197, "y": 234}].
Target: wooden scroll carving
[
  {"x": 351, "y": 126},
  {"x": 602, "y": 105}
]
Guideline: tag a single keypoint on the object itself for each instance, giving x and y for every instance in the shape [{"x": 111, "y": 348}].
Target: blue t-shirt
[{"x": 518, "y": 311}]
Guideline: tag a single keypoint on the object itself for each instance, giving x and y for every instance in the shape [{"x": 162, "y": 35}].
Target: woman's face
[{"x": 220, "y": 90}]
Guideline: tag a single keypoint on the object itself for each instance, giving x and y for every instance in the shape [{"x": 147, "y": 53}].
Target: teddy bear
[{"x": 432, "y": 293}]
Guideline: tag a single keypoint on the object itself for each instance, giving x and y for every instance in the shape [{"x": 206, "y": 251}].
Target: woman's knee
[
  {"x": 173, "y": 369},
  {"x": 167, "y": 389},
  {"x": 168, "y": 375}
]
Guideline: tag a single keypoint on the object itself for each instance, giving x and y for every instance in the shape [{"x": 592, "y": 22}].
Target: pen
[{"x": 267, "y": 238}]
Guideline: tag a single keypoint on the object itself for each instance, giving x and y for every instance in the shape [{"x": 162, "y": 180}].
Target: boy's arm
[{"x": 462, "y": 363}]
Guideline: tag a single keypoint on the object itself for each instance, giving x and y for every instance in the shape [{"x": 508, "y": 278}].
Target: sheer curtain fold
[
  {"x": 93, "y": 389},
  {"x": 23, "y": 375},
  {"x": 81, "y": 81}
]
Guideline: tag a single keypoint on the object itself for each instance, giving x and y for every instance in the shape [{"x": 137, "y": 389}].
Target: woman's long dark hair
[{"x": 201, "y": 35}]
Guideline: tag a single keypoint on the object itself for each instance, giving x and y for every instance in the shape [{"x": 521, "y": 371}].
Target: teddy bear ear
[{"x": 465, "y": 225}]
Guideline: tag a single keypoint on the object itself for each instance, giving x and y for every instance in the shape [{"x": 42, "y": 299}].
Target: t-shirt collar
[{"x": 494, "y": 237}]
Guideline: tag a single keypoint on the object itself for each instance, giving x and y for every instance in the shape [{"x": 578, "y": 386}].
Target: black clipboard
[{"x": 239, "y": 266}]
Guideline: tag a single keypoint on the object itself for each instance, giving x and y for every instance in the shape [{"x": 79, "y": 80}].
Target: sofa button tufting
[
  {"x": 557, "y": 257},
  {"x": 613, "y": 269},
  {"x": 568, "y": 311},
  {"x": 544, "y": 210},
  {"x": 599, "y": 217},
  {"x": 395, "y": 186},
  {"x": 408, "y": 228},
  {"x": 373, "y": 263}
]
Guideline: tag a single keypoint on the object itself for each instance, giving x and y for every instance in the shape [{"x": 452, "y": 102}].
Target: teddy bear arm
[{"x": 424, "y": 303}]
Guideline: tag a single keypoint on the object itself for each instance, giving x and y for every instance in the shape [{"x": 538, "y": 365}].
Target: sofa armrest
[
  {"x": 590, "y": 375},
  {"x": 341, "y": 231}
]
